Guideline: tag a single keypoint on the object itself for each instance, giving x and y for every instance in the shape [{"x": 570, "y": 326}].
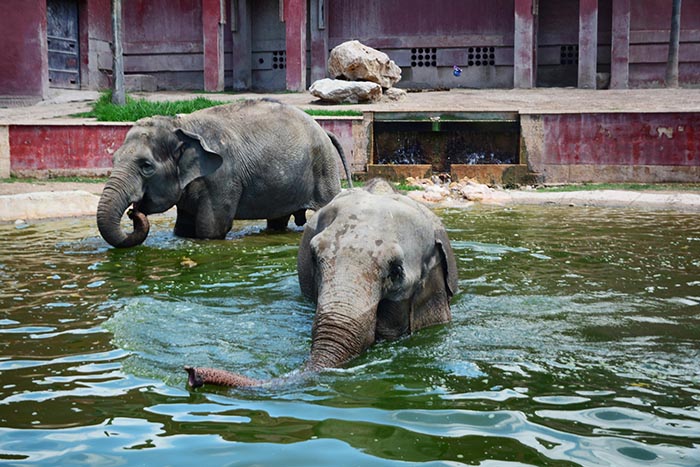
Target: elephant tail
[{"x": 341, "y": 153}]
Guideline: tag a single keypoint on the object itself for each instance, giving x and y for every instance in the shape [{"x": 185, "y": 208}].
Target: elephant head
[
  {"x": 378, "y": 265},
  {"x": 151, "y": 170}
]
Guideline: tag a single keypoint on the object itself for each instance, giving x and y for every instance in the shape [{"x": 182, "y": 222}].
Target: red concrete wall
[
  {"x": 37, "y": 150},
  {"x": 404, "y": 23},
  {"x": 64, "y": 149},
  {"x": 24, "y": 53},
  {"x": 650, "y": 22},
  {"x": 343, "y": 130},
  {"x": 622, "y": 139},
  {"x": 164, "y": 38}
]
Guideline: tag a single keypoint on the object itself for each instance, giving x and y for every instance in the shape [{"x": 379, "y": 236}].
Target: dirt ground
[{"x": 39, "y": 186}]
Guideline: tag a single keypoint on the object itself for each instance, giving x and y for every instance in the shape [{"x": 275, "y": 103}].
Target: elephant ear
[
  {"x": 449, "y": 263},
  {"x": 195, "y": 159},
  {"x": 431, "y": 303}
]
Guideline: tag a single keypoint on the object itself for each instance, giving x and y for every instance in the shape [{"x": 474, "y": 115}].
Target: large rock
[
  {"x": 355, "y": 61},
  {"x": 347, "y": 92}
]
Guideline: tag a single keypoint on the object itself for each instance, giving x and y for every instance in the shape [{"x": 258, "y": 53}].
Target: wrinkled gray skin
[
  {"x": 252, "y": 160},
  {"x": 378, "y": 265}
]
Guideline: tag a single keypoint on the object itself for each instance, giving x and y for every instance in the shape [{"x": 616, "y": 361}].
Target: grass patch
[
  {"x": 105, "y": 111},
  {"x": 134, "y": 109},
  {"x": 623, "y": 186},
  {"x": 333, "y": 113}
]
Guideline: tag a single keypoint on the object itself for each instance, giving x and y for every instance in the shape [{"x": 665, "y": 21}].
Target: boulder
[
  {"x": 355, "y": 61},
  {"x": 394, "y": 94},
  {"x": 347, "y": 92}
]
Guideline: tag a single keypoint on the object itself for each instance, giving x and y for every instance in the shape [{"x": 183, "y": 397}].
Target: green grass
[
  {"x": 105, "y": 111},
  {"x": 333, "y": 113},
  {"x": 623, "y": 186}
]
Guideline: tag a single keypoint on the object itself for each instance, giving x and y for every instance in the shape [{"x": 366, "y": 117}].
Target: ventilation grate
[
  {"x": 279, "y": 59},
  {"x": 481, "y": 56},
  {"x": 568, "y": 55},
  {"x": 424, "y": 57}
]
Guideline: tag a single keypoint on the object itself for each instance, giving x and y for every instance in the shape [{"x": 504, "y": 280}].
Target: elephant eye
[
  {"x": 147, "y": 168},
  {"x": 396, "y": 272}
]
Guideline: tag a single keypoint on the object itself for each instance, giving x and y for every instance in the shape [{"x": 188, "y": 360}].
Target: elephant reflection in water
[{"x": 378, "y": 265}]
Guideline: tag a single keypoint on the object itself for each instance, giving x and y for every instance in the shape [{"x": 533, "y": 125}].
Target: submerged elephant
[
  {"x": 258, "y": 159},
  {"x": 378, "y": 265}
]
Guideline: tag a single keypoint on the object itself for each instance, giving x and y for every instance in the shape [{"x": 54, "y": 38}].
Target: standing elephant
[
  {"x": 378, "y": 265},
  {"x": 257, "y": 159}
]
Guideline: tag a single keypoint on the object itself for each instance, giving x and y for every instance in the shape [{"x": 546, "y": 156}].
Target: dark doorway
[
  {"x": 64, "y": 54},
  {"x": 557, "y": 43}
]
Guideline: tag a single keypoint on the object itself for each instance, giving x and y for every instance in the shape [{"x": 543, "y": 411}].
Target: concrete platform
[
  {"x": 567, "y": 135},
  {"x": 62, "y": 102}
]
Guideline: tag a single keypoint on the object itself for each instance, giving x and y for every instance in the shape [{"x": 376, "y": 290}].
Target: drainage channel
[{"x": 481, "y": 145}]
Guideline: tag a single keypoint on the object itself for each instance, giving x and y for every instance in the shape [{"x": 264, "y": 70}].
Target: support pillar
[
  {"x": 213, "y": 19},
  {"x": 525, "y": 44},
  {"x": 241, "y": 34},
  {"x": 620, "y": 51},
  {"x": 295, "y": 32},
  {"x": 587, "y": 43},
  {"x": 319, "y": 39}
]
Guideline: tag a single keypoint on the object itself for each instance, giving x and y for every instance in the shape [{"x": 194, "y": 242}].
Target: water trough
[{"x": 481, "y": 145}]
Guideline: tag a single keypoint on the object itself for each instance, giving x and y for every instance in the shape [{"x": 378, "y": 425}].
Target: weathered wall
[
  {"x": 41, "y": 150},
  {"x": 95, "y": 28},
  {"x": 614, "y": 147},
  {"x": 650, "y": 22},
  {"x": 23, "y": 55},
  {"x": 427, "y": 38},
  {"x": 88, "y": 149},
  {"x": 163, "y": 39},
  {"x": 351, "y": 134}
]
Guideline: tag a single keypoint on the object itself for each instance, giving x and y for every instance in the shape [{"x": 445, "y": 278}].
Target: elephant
[
  {"x": 378, "y": 265},
  {"x": 255, "y": 159}
]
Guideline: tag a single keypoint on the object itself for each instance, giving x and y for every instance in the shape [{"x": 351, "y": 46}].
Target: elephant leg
[
  {"x": 300, "y": 217},
  {"x": 215, "y": 215},
  {"x": 185, "y": 226},
  {"x": 279, "y": 224}
]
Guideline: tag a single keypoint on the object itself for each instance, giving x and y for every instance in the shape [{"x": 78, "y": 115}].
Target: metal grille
[
  {"x": 481, "y": 56},
  {"x": 424, "y": 57},
  {"x": 568, "y": 55},
  {"x": 279, "y": 59}
]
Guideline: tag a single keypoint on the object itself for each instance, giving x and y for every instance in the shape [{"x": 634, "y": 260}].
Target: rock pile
[
  {"x": 438, "y": 189},
  {"x": 358, "y": 74}
]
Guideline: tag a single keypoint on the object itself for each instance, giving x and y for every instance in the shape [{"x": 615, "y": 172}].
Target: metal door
[
  {"x": 268, "y": 46},
  {"x": 62, "y": 32}
]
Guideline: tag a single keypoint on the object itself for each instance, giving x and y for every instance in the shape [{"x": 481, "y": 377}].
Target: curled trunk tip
[{"x": 109, "y": 213}]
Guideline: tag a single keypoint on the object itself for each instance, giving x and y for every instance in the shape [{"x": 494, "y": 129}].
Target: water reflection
[{"x": 575, "y": 341}]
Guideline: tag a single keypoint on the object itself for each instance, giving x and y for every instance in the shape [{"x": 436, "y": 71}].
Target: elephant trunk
[
  {"x": 344, "y": 326},
  {"x": 114, "y": 201}
]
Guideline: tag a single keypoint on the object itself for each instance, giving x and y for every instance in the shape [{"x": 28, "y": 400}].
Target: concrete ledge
[
  {"x": 687, "y": 202},
  {"x": 42, "y": 205}
]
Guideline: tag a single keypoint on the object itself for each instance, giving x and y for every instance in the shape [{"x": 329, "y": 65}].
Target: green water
[{"x": 575, "y": 341}]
